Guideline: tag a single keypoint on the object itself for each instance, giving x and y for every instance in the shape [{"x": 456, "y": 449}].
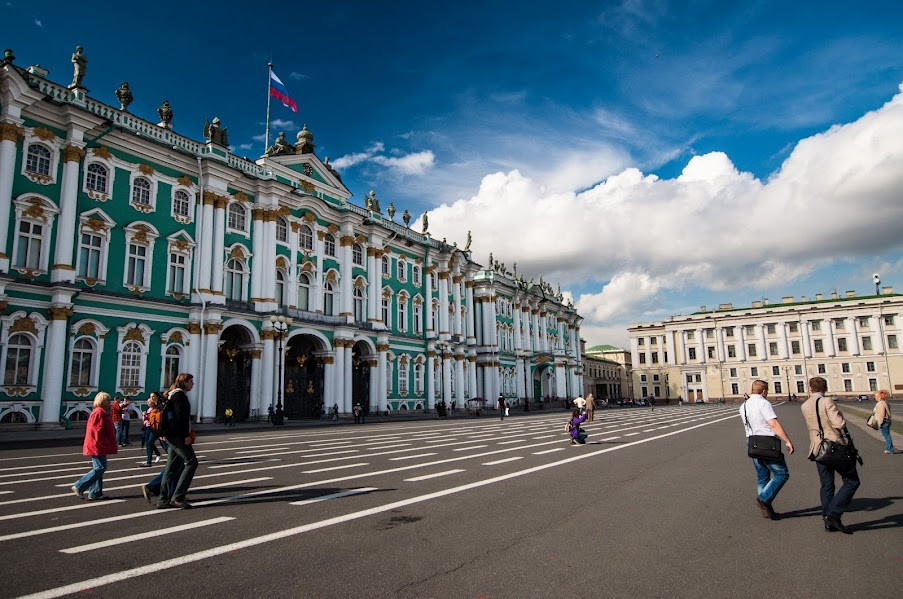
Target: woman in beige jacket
[{"x": 882, "y": 414}]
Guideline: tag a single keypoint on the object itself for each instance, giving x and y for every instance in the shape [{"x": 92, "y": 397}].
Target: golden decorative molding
[
  {"x": 194, "y": 328},
  {"x": 24, "y": 325},
  {"x": 372, "y": 252},
  {"x": 220, "y": 202},
  {"x": 237, "y": 253},
  {"x": 3, "y": 306},
  {"x": 62, "y": 267},
  {"x": 213, "y": 328},
  {"x": 73, "y": 154},
  {"x": 146, "y": 169},
  {"x": 255, "y": 354},
  {"x": 87, "y": 329},
  {"x": 96, "y": 224},
  {"x": 327, "y": 360},
  {"x": 295, "y": 226},
  {"x": 333, "y": 228},
  {"x": 346, "y": 241},
  {"x": 471, "y": 359},
  {"x": 44, "y": 134},
  {"x": 359, "y": 283},
  {"x": 321, "y": 235},
  {"x": 268, "y": 334},
  {"x": 11, "y": 132},
  {"x": 457, "y": 279},
  {"x": 102, "y": 152},
  {"x": 382, "y": 347},
  {"x": 241, "y": 197},
  {"x": 176, "y": 337},
  {"x": 184, "y": 181},
  {"x": 309, "y": 217},
  {"x": 134, "y": 334},
  {"x": 81, "y": 392},
  {"x": 360, "y": 238},
  {"x": 331, "y": 276},
  {"x": 308, "y": 267},
  {"x": 59, "y": 313},
  {"x": 19, "y": 391}
]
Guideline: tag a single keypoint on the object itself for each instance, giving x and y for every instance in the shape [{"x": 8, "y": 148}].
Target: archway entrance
[
  {"x": 304, "y": 376},
  {"x": 233, "y": 378},
  {"x": 360, "y": 375}
]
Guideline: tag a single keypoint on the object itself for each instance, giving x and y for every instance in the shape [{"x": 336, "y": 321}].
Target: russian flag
[{"x": 278, "y": 91}]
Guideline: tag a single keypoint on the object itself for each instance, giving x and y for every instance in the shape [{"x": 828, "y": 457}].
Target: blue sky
[{"x": 652, "y": 157}]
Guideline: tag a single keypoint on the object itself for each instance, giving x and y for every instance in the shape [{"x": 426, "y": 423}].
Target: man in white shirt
[{"x": 759, "y": 419}]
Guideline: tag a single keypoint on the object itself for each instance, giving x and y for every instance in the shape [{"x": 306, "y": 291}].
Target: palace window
[
  {"x": 97, "y": 177},
  {"x": 415, "y": 276},
  {"x": 281, "y": 230},
  {"x": 402, "y": 271},
  {"x": 403, "y": 374},
  {"x": 136, "y": 263},
  {"x": 776, "y": 371},
  {"x": 770, "y": 328},
  {"x": 754, "y": 371},
  {"x": 177, "y": 275},
  {"x": 172, "y": 362},
  {"x": 841, "y": 344},
  {"x": 728, "y": 331},
  {"x": 37, "y": 160},
  {"x": 797, "y": 369},
  {"x": 280, "y": 287},
  {"x": 181, "y": 204},
  {"x": 655, "y": 357},
  {"x": 892, "y": 342},
  {"x": 81, "y": 363},
  {"x": 845, "y": 367},
  {"x": 732, "y": 372},
  {"x": 819, "y": 346},
  {"x": 735, "y": 389},
  {"x": 357, "y": 255},
  {"x": 778, "y": 387},
  {"x": 873, "y": 384},
  {"x": 359, "y": 304},
  {"x": 847, "y": 385},
  {"x": 235, "y": 274},
  {"x": 751, "y": 350},
  {"x": 793, "y": 327},
  {"x": 867, "y": 343},
  {"x": 29, "y": 245},
  {"x": 386, "y": 267},
  {"x": 385, "y": 310},
  {"x": 418, "y": 379},
  {"x": 329, "y": 245},
  {"x": 237, "y": 218},
  {"x": 130, "y": 365},
  {"x": 711, "y": 352},
  {"x": 303, "y": 292},
  {"x": 822, "y": 369},
  {"x": 328, "y": 299},
  {"x": 863, "y": 322},
  {"x": 691, "y": 335},
  {"x": 141, "y": 192},
  {"x": 889, "y": 321},
  {"x": 794, "y": 347},
  {"x": 870, "y": 366},
  {"x": 816, "y": 325},
  {"x": 839, "y": 324},
  {"x": 800, "y": 386},
  {"x": 641, "y": 341},
  {"x": 388, "y": 375},
  {"x": 19, "y": 358},
  {"x": 418, "y": 318},
  {"x": 402, "y": 313},
  {"x": 306, "y": 237},
  {"x": 773, "y": 348}
]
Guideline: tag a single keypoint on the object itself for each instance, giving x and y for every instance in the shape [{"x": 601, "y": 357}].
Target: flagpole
[{"x": 266, "y": 137}]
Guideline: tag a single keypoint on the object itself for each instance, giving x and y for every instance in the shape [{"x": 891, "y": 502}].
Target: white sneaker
[
  {"x": 78, "y": 493},
  {"x": 156, "y": 459}
]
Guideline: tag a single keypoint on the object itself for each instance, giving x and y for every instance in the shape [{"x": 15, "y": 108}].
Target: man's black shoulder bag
[{"x": 761, "y": 447}]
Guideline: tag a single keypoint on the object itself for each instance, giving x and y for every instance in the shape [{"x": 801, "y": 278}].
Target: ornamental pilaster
[{"x": 213, "y": 328}]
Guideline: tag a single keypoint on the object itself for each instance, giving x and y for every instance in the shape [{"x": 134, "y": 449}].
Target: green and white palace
[{"x": 130, "y": 253}]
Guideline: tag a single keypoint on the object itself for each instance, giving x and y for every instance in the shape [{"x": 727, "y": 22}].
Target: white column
[
  {"x": 316, "y": 302},
  {"x": 205, "y": 253},
  {"x": 383, "y": 383},
  {"x": 446, "y": 376},
  {"x": 329, "y": 396},
  {"x": 829, "y": 337},
  {"x": 456, "y": 292},
  {"x": 702, "y": 353},
  {"x": 459, "y": 380},
  {"x": 430, "y": 377},
  {"x": 269, "y": 259},
  {"x": 741, "y": 335},
  {"x": 207, "y": 408},
  {"x": 373, "y": 286},
  {"x": 807, "y": 340},
  {"x": 10, "y": 134},
  {"x": 854, "y": 336},
  {"x": 219, "y": 236},
  {"x": 339, "y": 373},
  {"x": 443, "y": 302},
  {"x": 472, "y": 375},
  {"x": 290, "y": 295},
  {"x": 54, "y": 358},
  {"x": 560, "y": 380},
  {"x": 267, "y": 368},
  {"x": 760, "y": 342},
  {"x": 468, "y": 294},
  {"x": 635, "y": 351},
  {"x": 256, "y": 403},
  {"x": 719, "y": 344},
  {"x": 374, "y": 385},
  {"x": 348, "y": 366},
  {"x": 345, "y": 265},
  {"x": 878, "y": 336},
  {"x": 62, "y": 270},
  {"x": 784, "y": 343},
  {"x": 195, "y": 356}
]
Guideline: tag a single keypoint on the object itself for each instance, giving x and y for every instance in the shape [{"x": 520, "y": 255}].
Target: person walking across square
[
  {"x": 882, "y": 414},
  {"x": 181, "y": 439},
  {"x": 759, "y": 419},
  {"x": 100, "y": 441}
]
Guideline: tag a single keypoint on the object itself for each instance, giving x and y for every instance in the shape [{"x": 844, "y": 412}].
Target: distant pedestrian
[
  {"x": 652, "y": 402},
  {"x": 453, "y": 406},
  {"x": 270, "y": 413},
  {"x": 680, "y": 400},
  {"x": 150, "y": 437},
  {"x": 100, "y": 441},
  {"x": 227, "y": 421},
  {"x": 126, "y": 420},
  {"x": 116, "y": 416},
  {"x": 590, "y": 407},
  {"x": 358, "y": 412},
  {"x": 882, "y": 414},
  {"x": 181, "y": 440},
  {"x": 759, "y": 419},
  {"x": 578, "y": 435},
  {"x": 501, "y": 406},
  {"x": 825, "y": 421},
  {"x": 335, "y": 412}
]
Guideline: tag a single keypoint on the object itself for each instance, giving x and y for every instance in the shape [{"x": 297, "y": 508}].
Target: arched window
[
  {"x": 97, "y": 177},
  {"x": 303, "y": 292},
  {"x": 307, "y": 237},
  {"x": 386, "y": 268},
  {"x": 402, "y": 271},
  {"x": 130, "y": 371},
  {"x": 418, "y": 318},
  {"x": 235, "y": 279},
  {"x": 357, "y": 254},
  {"x": 19, "y": 352},
  {"x": 281, "y": 230},
  {"x": 329, "y": 245},
  {"x": 237, "y": 217},
  {"x": 415, "y": 275},
  {"x": 359, "y": 304},
  {"x": 280, "y": 287},
  {"x": 434, "y": 314},
  {"x": 141, "y": 192},
  {"x": 403, "y": 376},
  {"x": 37, "y": 160},
  {"x": 418, "y": 379},
  {"x": 388, "y": 376},
  {"x": 328, "y": 299},
  {"x": 402, "y": 313},
  {"x": 181, "y": 203},
  {"x": 82, "y": 363},
  {"x": 385, "y": 309},
  {"x": 437, "y": 382},
  {"x": 29, "y": 242},
  {"x": 172, "y": 363}
]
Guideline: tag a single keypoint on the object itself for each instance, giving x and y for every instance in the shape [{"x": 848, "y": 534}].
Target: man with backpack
[{"x": 176, "y": 425}]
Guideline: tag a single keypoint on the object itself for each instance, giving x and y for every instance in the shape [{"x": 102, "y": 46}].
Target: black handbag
[
  {"x": 761, "y": 447},
  {"x": 839, "y": 456}
]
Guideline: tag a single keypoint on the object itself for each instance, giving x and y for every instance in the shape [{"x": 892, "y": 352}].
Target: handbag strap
[
  {"x": 745, "y": 419},
  {"x": 821, "y": 432}
]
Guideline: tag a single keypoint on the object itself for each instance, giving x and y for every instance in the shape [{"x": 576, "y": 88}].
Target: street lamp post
[
  {"x": 787, "y": 372},
  {"x": 280, "y": 325}
]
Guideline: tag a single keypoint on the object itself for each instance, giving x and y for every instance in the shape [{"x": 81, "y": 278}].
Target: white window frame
[
  {"x": 141, "y": 367},
  {"x": 26, "y": 207},
  {"x": 104, "y": 234},
  {"x": 387, "y": 267},
  {"x": 166, "y": 358},
  {"x": 390, "y": 365},
  {"x": 357, "y": 255},
  {"x": 133, "y": 231},
  {"x": 281, "y": 284},
  {"x": 240, "y": 211},
  {"x": 385, "y": 304},
  {"x": 402, "y": 307},
  {"x": 53, "y": 145},
  {"x": 417, "y": 316},
  {"x": 305, "y": 237},
  {"x": 404, "y": 372},
  {"x": 282, "y": 225},
  {"x": 329, "y": 246},
  {"x": 401, "y": 268},
  {"x": 31, "y": 376},
  {"x": 94, "y": 364},
  {"x": 329, "y": 298},
  {"x": 304, "y": 282},
  {"x": 182, "y": 218},
  {"x": 244, "y": 273},
  {"x": 100, "y": 332},
  {"x": 359, "y": 304},
  {"x": 416, "y": 275}
]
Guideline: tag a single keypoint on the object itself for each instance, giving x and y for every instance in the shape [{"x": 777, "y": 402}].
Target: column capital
[
  {"x": 60, "y": 312},
  {"x": 73, "y": 154},
  {"x": 11, "y": 132}
]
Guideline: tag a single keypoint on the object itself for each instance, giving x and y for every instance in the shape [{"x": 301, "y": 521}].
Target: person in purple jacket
[{"x": 578, "y": 435}]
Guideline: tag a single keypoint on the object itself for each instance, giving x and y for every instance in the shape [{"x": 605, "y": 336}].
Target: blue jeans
[
  {"x": 770, "y": 477},
  {"x": 885, "y": 430},
  {"x": 118, "y": 427},
  {"x": 178, "y": 451},
  {"x": 93, "y": 480},
  {"x": 831, "y": 504},
  {"x": 150, "y": 443}
]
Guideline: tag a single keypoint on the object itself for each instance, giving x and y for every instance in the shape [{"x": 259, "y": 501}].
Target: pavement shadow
[
  {"x": 294, "y": 495},
  {"x": 894, "y": 521},
  {"x": 803, "y": 513},
  {"x": 871, "y": 504}
]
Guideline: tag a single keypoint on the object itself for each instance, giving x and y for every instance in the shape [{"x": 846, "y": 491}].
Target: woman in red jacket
[{"x": 100, "y": 441}]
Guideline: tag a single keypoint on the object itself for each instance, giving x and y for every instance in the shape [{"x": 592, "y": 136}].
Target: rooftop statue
[
  {"x": 372, "y": 203},
  {"x": 165, "y": 113},
  {"x": 406, "y": 218},
  {"x": 80, "y": 65},
  {"x": 124, "y": 95},
  {"x": 469, "y": 239},
  {"x": 391, "y": 211},
  {"x": 215, "y": 134},
  {"x": 426, "y": 222},
  {"x": 280, "y": 146}
]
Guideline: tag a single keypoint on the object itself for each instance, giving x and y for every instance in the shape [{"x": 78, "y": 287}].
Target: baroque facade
[
  {"x": 851, "y": 341},
  {"x": 606, "y": 372},
  {"x": 129, "y": 253}
]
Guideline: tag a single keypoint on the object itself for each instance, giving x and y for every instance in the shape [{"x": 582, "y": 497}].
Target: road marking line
[
  {"x": 436, "y": 475},
  {"x": 503, "y": 461},
  {"x": 512, "y": 441},
  {"x": 548, "y": 451},
  {"x": 413, "y": 457},
  {"x": 469, "y": 448},
  {"x": 235, "y": 464},
  {"x": 543, "y": 437},
  {"x": 145, "y": 535},
  {"x": 631, "y": 434},
  {"x": 231, "y": 483},
  {"x": 388, "y": 446},
  {"x": 335, "y": 468},
  {"x": 338, "y": 495},
  {"x": 82, "y": 506},
  {"x": 649, "y": 430},
  {"x": 261, "y": 448}
]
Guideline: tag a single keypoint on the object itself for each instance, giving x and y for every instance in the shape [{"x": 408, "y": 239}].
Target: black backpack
[{"x": 161, "y": 417}]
